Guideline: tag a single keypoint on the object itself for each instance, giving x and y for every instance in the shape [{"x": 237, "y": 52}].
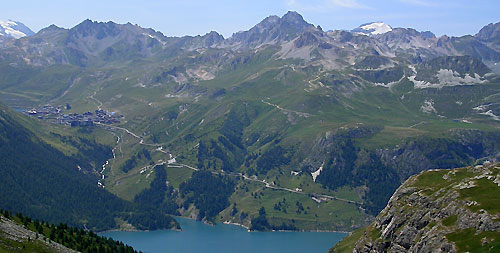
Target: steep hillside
[
  {"x": 453, "y": 210},
  {"x": 39, "y": 180},
  {"x": 22, "y": 234},
  {"x": 16, "y": 238}
]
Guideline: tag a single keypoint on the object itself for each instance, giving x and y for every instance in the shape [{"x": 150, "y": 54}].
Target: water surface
[{"x": 200, "y": 237}]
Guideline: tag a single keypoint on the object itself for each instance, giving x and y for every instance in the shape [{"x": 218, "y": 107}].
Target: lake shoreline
[
  {"x": 135, "y": 230},
  {"x": 297, "y": 230},
  {"x": 223, "y": 222},
  {"x": 248, "y": 229}
]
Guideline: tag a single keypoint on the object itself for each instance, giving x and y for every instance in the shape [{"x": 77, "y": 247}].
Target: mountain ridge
[{"x": 290, "y": 31}]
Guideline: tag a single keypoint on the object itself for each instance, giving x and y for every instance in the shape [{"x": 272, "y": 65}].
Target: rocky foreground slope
[
  {"x": 16, "y": 238},
  {"x": 437, "y": 211},
  {"x": 19, "y": 233}
]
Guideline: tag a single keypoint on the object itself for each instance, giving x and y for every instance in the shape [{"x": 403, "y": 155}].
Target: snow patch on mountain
[
  {"x": 491, "y": 114},
  {"x": 484, "y": 110},
  {"x": 390, "y": 84},
  {"x": 428, "y": 107},
  {"x": 14, "y": 29},
  {"x": 447, "y": 77},
  {"x": 373, "y": 28},
  {"x": 317, "y": 172}
]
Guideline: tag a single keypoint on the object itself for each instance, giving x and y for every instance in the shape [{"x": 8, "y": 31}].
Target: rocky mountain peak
[
  {"x": 52, "y": 27},
  {"x": 402, "y": 32},
  {"x": 50, "y": 30},
  {"x": 290, "y": 19},
  {"x": 294, "y": 18},
  {"x": 428, "y": 34},
  {"x": 210, "y": 39},
  {"x": 490, "y": 32},
  {"x": 215, "y": 35},
  {"x": 407, "y": 38},
  {"x": 100, "y": 30},
  {"x": 273, "y": 30},
  {"x": 110, "y": 40},
  {"x": 269, "y": 21}
]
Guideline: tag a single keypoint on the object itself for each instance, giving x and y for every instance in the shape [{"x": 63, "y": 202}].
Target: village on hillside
[{"x": 56, "y": 114}]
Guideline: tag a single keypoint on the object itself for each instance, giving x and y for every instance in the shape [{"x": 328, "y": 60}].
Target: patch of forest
[
  {"x": 41, "y": 182},
  {"x": 208, "y": 192}
]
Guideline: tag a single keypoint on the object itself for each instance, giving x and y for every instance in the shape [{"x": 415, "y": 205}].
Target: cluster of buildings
[{"x": 56, "y": 114}]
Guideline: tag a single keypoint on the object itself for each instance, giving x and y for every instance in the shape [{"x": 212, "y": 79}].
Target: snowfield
[
  {"x": 14, "y": 29},
  {"x": 373, "y": 28},
  {"x": 447, "y": 77}
]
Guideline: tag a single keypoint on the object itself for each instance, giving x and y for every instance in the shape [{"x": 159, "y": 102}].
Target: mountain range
[
  {"x": 318, "y": 127},
  {"x": 296, "y": 37}
]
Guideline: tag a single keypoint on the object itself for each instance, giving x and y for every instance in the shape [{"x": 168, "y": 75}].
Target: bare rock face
[
  {"x": 439, "y": 211},
  {"x": 489, "y": 33}
]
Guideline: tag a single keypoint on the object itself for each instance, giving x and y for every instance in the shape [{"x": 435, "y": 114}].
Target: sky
[{"x": 197, "y": 17}]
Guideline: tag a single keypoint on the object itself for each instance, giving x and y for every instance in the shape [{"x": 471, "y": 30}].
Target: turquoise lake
[{"x": 200, "y": 237}]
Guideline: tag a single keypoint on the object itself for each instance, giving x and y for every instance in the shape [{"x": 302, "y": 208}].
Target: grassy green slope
[
  {"x": 39, "y": 180},
  {"x": 278, "y": 102}
]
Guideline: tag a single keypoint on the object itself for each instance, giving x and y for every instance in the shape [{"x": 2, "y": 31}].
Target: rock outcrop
[{"x": 437, "y": 211}]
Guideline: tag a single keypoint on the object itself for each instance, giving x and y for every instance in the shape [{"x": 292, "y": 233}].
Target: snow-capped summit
[
  {"x": 373, "y": 28},
  {"x": 14, "y": 29}
]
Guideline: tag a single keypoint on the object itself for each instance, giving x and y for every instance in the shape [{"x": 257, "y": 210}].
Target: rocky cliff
[{"x": 453, "y": 210}]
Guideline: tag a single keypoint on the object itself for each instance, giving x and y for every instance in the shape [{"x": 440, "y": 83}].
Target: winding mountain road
[
  {"x": 95, "y": 100},
  {"x": 245, "y": 177},
  {"x": 303, "y": 114}
]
